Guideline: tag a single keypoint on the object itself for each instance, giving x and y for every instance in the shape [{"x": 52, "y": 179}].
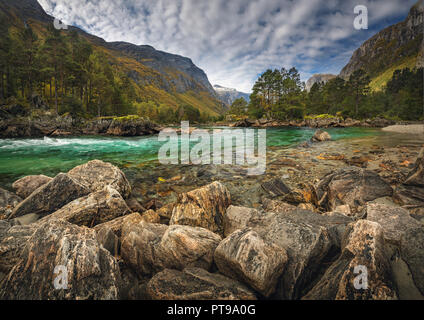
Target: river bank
[{"x": 214, "y": 232}]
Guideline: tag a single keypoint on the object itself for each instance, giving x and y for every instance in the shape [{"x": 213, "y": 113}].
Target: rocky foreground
[{"x": 303, "y": 243}]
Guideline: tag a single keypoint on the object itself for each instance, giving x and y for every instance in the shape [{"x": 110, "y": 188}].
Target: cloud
[{"x": 234, "y": 41}]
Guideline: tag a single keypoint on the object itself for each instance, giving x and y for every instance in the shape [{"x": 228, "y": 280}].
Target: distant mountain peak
[
  {"x": 318, "y": 77},
  {"x": 229, "y": 95}
]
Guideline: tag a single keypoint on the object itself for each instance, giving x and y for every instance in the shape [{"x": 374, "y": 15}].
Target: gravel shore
[{"x": 410, "y": 128}]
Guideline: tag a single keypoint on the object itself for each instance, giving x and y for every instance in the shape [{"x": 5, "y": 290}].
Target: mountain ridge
[{"x": 229, "y": 95}]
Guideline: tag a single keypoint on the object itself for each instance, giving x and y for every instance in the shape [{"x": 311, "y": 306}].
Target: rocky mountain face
[
  {"x": 390, "y": 47},
  {"x": 228, "y": 95},
  {"x": 161, "y": 76},
  {"x": 318, "y": 78}
]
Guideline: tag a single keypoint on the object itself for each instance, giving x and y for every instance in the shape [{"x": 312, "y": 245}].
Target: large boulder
[
  {"x": 203, "y": 207},
  {"x": 362, "y": 272},
  {"x": 320, "y": 136},
  {"x": 395, "y": 221},
  {"x": 27, "y": 185},
  {"x": 96, "y": 208},
  {"x": 58, "y": 250},
  {"x": 352, "y": 186},
  {"x": 13, "y": 239},
  {"x": 96, "y": 174},
  {"x": 51, "y": 196},
  {"x": 196, "y": 284},
  {"x": 412, "y": 252},
  {"x": 116, "y": 224},
  {"x": 244, "y": 255},
  {"x": 149, "y": 248},
  {"x": 236, "y": 218},
  {"x": 416, "y": 176}
]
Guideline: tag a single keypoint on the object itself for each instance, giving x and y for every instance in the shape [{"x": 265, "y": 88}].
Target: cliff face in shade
[
  {"x": 318, "y": 78},
  {"x": 390, "y": 47},
  {"x": 161, "y": 77}
]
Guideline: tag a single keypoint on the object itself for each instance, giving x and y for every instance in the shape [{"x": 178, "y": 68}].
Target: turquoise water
[{"x": 49, "y": 156}]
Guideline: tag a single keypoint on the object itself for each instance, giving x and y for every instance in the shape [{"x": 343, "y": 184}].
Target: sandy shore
[{"x": 410, "y": 128}]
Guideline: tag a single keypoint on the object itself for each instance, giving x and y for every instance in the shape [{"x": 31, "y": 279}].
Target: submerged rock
[
  {"x": 196, "y": 284},
  {"x": 320, "y": 136},
  {"x": 363, "y": 255},
  {"x": 96, "y": 174},
  {"x": 27, "y": 185},
  {"x": 203, "y": 207},
  {"x": 92, "y": 273},
  {"x": 51, "y": 196},
  {"x": 96, "y": 208}
]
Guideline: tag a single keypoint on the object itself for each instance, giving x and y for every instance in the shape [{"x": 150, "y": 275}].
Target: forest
[{"x": 279, "y": 94}]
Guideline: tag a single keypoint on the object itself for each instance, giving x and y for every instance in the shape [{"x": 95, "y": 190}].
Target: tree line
[
  {"x": 280, "y": 94},
  {"x": 74, "y": 77}
]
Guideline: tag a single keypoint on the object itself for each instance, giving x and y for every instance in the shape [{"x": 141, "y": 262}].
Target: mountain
[
  {"x": 228, "y": 95},
  {"x": 395, "y": 47},
  {"x": 318, "y": 78},
  {"x": 161, "y": 77}
]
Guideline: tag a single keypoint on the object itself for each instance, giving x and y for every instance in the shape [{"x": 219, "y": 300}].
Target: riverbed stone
[
  {"x": 51, "y": 196},
  {"x": 92, "y": 272},
  {"x": 320, "y": 136},
  {"x": 203, "y": 207},
  {"x": 363, "y": 253},
  {"x": 27, "y": 185},
  {"x": 244, "y": 255},
  {"x": 95, "y": 208},
  {"x": 149, "y": 248},
  {"x": 351, "y": 186},
  {"x": 196, "y": 284},
  {"x": 96, "y": 174}
]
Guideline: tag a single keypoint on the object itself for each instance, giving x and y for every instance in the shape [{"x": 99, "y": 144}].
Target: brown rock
[
  {"x": 363, "y": 248},
  {"x": 320, "y": 136},
  {"x": 27, "y": 185},
  {"x": 96, "y": 174},
  {"x": 196, "y": 284},
  {"x": 244, "y": 255},
  {"x": 203, "y": 207},
  {"x": 96, "y": 208},
  {"x": 92, "y": 272},
  {"x": 51, "y": 196}
]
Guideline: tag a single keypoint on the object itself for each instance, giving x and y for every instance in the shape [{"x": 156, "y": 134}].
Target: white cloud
[{"x": 234, "y": 41}]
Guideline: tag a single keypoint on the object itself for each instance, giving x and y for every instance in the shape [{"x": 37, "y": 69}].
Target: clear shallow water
[{"x": 49, "y": 156}]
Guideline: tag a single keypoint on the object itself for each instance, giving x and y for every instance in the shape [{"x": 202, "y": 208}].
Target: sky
[{"x": 234, "y": 41}]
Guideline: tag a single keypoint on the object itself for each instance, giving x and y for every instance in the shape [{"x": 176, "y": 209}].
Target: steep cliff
[
  {"x": 398, "y": 45},
  {"x": 160, "y": 76}
]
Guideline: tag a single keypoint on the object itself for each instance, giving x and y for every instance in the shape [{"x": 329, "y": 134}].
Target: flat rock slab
[{"x": 196, "y": 284}]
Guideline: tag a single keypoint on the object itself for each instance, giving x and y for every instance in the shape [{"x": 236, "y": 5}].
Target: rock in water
[
  {"x": 92, "y": 273},
  {"x": 149, "y": 248},
  {"x": 244, "y": 255},
  {"x": 96, "y": 174},
  {"x": 27, "y": 185},
  {"x": 51, "y": 196},
  {"x": 395, "y": 221},
  {"x": 203, "y": 207},
  {"x": 363, "y": 255},
  {"x": 320, "y": 136},
  {"x": 352, "y": 186},
  {"x": 196, "y": 284},
  {"x": 98, "y": 207}
]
